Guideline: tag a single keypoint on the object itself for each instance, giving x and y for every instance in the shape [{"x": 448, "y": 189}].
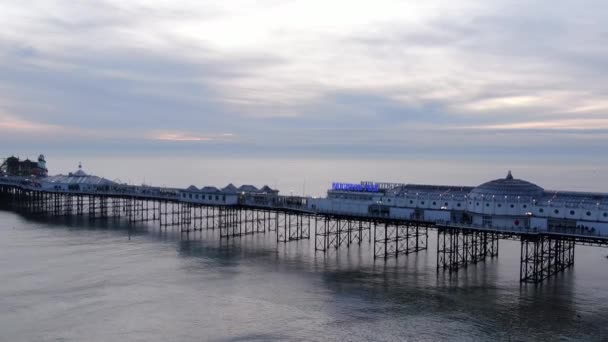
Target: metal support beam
[
  {"x": 458, "y": 247},
  {"x": 292, "y": 226},
  {"x": 393, "y": 239},
  {"x": 333, "y": 232},
  {"x": 542, "y": 256}
]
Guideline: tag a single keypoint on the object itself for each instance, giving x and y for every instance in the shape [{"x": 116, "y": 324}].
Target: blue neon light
[{"x": 355, "y": 187}]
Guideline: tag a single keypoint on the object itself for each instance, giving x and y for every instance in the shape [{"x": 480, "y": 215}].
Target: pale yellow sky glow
[
  {"x": 190, "y": 136},
  {"x": 575, "y": 124},
  {"x": 13, "y": 125}
]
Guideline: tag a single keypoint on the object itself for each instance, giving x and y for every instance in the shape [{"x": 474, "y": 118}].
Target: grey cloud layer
[{"x": 481, "y": 82}]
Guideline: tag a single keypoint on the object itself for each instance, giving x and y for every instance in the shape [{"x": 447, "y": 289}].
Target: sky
[{"x": 362, "y": 79}]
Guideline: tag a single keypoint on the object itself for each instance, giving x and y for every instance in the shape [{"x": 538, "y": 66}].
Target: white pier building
[{"x": 506, "y": 203}]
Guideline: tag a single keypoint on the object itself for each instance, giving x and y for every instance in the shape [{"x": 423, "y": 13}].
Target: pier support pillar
[
  {"x": 169, "y": 213},
  {"x": 292, "y": 226},
  {"x": 331, "y": 232},
  {"x": 234, "y": 222},
  {"x": 542, "y": 256},
  {"x": 394, "y": 239},
  {"x": 458, "y": 247}
]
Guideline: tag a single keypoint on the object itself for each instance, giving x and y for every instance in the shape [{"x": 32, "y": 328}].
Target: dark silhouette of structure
[{"x": 13, "y": 166}]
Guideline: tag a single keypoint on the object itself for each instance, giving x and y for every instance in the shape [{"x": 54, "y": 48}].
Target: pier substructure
[
  {"x": 235, "y": 222},
  {"x": 117, "y": 205},
  {"x": 543, "y": 256},
  {"x": 191, "y": 217},
  {"x": 169, "y": 213},
  {"x": 458, "y": 247},
  {"x": 392, "y": 239},
  {"x": 206, "y": 217},
  {"x": 140, "y": 210},
  {"x": 93, "y": 207},
  {"x": 37, "y": 203},
  {"x": 80, "y": 205},
  {"x": 292, "y": 226},
  {"x": 333, "y": 232},
  {"x": 185, "y": 215}
]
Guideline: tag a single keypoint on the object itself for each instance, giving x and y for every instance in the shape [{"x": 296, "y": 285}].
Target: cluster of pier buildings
[
  {"x": 504, "y": 203},
  {"x": 469, "y": 220}
]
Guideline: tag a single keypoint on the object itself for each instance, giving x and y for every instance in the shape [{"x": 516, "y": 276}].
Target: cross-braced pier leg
[
  {"x": 458, "y": 247},
  {"x": 169, "y": 213},
  {"x": 185, "y": 215},
  {"x": 542, "y": 256},
  {"x": 292, "y": 226},
  {"x": 117, "y": 206},
  {"x": 333, "y": 232},
  {"x": 228, "y": 222},
  {"x": 393, "y": 239},
  {"x": 212, "y": 218}
]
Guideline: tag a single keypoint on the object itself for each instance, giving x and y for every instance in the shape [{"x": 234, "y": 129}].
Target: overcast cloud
[{"x": 306, "y": 77}]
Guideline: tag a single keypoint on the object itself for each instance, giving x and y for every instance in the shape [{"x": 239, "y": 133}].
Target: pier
[{"x": 237, "y": 212}]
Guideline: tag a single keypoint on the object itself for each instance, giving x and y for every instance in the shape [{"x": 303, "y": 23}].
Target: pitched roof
[
  {"x": 248, "y": 188},
  {"x": 267, "y": 189},
  {"x": 230, "y": 188}
]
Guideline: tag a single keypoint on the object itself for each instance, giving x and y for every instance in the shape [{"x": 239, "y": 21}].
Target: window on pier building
[
  {"x": 605, "y": 214},
  {"x": 589, "y": 213},
  {"x": 217, "y": 198},
  {"x": 572, "y": 212}
]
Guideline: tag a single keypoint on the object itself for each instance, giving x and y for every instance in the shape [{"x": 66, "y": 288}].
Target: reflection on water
[{"x": 75, "y": 279}]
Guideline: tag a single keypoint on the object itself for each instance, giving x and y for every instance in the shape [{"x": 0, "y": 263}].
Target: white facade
[{"x": 506, "y": 203}]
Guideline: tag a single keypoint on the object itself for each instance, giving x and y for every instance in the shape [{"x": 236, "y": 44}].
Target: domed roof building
[
  {"x": 508, "y": 186},
  {"x": 78, "y": 180},
  {"x": 505, "y": 203}
]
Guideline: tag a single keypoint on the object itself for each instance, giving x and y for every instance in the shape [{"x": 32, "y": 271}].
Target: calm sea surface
[{"x": 76, "y": 280}]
